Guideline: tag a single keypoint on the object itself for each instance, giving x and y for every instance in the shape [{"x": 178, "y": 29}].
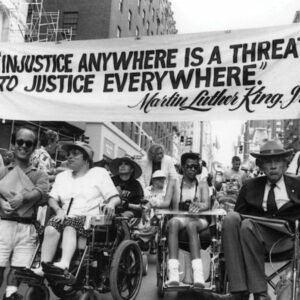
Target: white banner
[{"x": 241, "y": 74}]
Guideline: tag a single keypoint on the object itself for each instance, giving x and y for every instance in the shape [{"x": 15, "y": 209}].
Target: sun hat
[
  {"x": 115, "y": 163},
  {"x": 81, "y": 145},
  {"x": 271, "y": 148},
  {"x": 159, "y": 174}
]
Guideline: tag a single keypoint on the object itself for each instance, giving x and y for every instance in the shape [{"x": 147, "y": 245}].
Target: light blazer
[{"x": 251, "y": 196}]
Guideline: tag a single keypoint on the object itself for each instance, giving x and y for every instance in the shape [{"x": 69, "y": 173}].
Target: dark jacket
[{"x": 250, "y": 199}]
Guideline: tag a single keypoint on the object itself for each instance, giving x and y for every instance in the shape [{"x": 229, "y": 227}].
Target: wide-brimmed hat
[
  {"x": 81, "y": 145},
  {"x": 115, "y": 163},
  {"x": 159, "y": 174},
  {"x": 271, "y": 148}
]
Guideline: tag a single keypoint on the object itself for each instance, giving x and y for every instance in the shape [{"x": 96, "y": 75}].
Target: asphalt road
[{"x": 148, "y": 289}]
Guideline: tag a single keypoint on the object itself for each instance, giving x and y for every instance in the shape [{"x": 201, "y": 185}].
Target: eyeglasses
[
  {"x": 21, "y": 142},
  {"x": 192, "y": 167}
]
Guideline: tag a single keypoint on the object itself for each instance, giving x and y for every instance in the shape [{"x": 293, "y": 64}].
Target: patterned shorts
[{"x": 75, "y": 222}]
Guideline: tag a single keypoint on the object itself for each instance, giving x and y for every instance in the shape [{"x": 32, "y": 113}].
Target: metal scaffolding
[
  {"x": 43, "y": 26},
  {"x": 29, "y": 19}
]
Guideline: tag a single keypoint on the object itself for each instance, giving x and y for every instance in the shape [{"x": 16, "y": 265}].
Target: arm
[
  {"x": 38, "y": 193},
  {"x": 59, "y": 212},
  {"x": 241, "y": 204},
  {"x": 204, "y": 199},
  {"x": 171, "y": 197}
]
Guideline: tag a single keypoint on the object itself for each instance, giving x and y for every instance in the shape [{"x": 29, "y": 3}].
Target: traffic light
[
  {"x": 182, "y": 139},
  {"x": 189, "y": 141},
  {"x": 85, "y": 139},
  {"x": 241, "y": 149}
]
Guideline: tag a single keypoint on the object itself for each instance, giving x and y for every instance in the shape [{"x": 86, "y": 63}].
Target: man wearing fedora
[
  {"x": 245, "y": 240},
  {"x": 125, "y": 171}
]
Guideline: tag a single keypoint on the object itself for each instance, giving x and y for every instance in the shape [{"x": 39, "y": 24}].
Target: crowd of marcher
[{"x": 79, "y": 189}]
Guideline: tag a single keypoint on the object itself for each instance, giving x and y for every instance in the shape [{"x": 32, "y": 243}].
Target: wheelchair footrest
[
  {"x": 67, "y": 279},
  {"x": 58, "y": 275},
  {"x": 29, "y": 277}
]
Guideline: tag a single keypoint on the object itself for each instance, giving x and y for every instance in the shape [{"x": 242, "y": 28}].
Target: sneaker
[
  {"x": 14, "y": 296},
  {"x": 173, "y": 271},
  {"x": 198, "y": 275}
]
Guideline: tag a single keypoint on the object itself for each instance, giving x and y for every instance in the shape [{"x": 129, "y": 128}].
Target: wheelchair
[
  {"x": 210, "y": 240},
  {"x": 108, "y": 260},
  {"x": 284, "y": 279}
]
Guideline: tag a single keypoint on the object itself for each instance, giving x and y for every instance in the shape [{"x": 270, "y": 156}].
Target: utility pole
[{"x": 201, "y": 138}]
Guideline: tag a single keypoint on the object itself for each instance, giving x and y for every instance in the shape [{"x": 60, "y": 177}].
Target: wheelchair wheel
[
  {"x": 145, "y": 264},
  {"x": 37, "y": 293},
  {"x": 159, "y": 278},
  {"x": 160, "y": 268},
  {"x": 90, "y": 295},
  {"x": 126, "y": 271}
]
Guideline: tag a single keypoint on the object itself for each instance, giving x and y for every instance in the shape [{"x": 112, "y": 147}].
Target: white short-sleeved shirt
[{"x": 89, "y": 192}]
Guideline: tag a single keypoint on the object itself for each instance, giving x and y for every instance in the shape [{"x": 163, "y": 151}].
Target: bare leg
[
  {"x": 174, "y": 226},
  {"x": 49, "y": 247},
  {"x": 193, "y": 228},
  {"x": 50, "y": 243},
  {"x": 69, "y": 244}
]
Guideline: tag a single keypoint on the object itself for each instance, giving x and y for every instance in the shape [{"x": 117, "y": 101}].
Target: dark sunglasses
[
  {"x": 192, "y": 167},
  {"x": 21, "y": 142}
]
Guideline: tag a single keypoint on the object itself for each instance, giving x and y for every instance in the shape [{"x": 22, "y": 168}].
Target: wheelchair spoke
[{"x": 128, "y": 264}]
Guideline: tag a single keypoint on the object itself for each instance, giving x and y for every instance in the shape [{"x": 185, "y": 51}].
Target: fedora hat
[
  {"x": 271, "y": 148},
  {"x": 115, "y": 163}
]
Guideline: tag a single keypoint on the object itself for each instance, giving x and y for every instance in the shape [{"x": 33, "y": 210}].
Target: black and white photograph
[{"x": 149, "y": 149}]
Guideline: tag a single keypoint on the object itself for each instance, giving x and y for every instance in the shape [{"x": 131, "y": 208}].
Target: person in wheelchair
[
  {"x": 156, "y": 192},
  {"x": 125, "y": 172},
  {"x": 245, "y": 240},
  {"x": 77, "y": 193},
  {"x": 194, "y": 197}
]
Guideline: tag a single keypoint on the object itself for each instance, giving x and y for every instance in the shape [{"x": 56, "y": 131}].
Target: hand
[
  {"x": 194, "y": 208},
  {"x": 16, "y": 201},
  {"x": 5, "y": 206},
  {"x": 109, "y": 210},
  {"x": 60, "y": 216}
]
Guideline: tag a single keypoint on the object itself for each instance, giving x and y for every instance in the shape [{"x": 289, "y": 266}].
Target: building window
[
  {"x": 137, "y": 31},
  {"x": 121, "y": 5},
  {"x": 129, "y": 19},
  {"x": 70, "y": 21},
  {"x": 153, "y": 14},
  {"x": 139, "y": 6},
  {"x": 144, "y": 17},
  {"x": 152, "y": 32},
  {"x": 148, "y": 28},
  {"x": 119, "y": 32}
]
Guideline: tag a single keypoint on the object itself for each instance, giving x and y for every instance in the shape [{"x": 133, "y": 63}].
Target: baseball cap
[{"x": 159, "y": 174}]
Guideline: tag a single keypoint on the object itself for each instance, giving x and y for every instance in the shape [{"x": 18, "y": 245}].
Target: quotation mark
[{"x": 263, "y": 65}]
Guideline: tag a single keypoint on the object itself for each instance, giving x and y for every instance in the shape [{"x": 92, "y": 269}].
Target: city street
[{"x": 148, "y": 289}]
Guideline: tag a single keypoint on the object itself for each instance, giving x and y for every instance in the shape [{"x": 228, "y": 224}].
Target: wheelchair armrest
[
  {"x": 277, "y": 224},
  {"x": 99, "y": 220}
]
